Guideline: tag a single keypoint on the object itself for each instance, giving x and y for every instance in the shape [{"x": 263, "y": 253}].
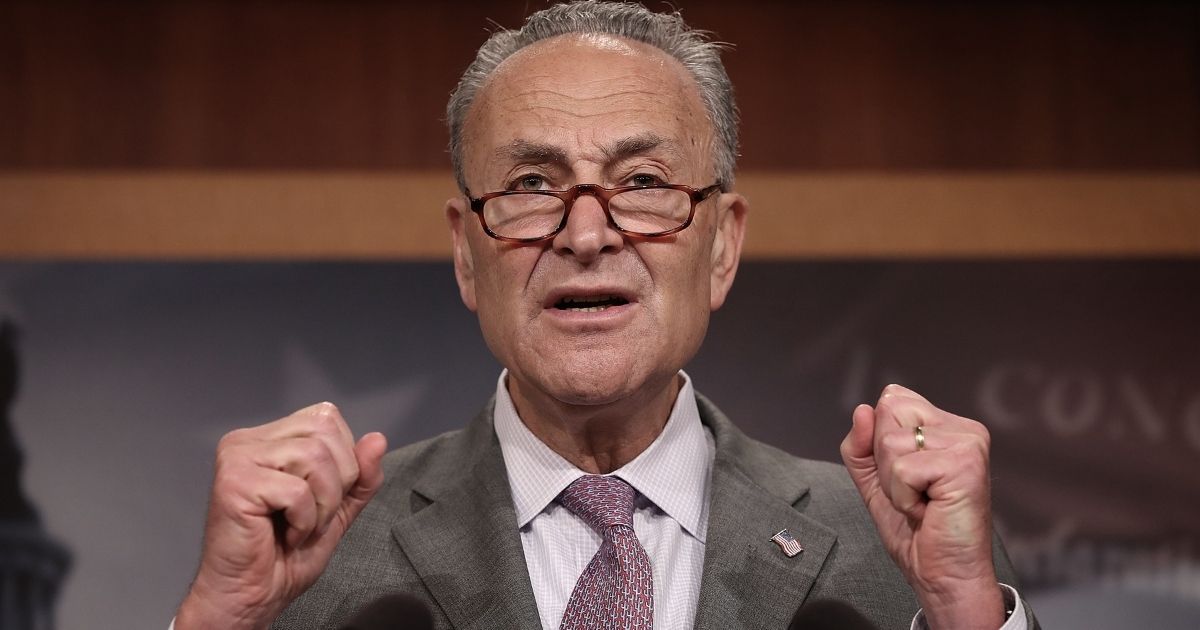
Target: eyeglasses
[{"x": 528, "y": 216}]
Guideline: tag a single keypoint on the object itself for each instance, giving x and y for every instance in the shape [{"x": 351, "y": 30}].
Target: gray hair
[{"x": 667, "y": 32}]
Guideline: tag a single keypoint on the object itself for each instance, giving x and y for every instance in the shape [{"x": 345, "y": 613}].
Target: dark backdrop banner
[{"x": 1086, "y": 372}]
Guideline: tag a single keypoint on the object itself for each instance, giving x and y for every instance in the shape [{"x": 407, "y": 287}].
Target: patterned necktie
[{"x": 616, "y": 590}]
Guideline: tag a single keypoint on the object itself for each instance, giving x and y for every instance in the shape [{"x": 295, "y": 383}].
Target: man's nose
[{"x": 588, "y": 232}]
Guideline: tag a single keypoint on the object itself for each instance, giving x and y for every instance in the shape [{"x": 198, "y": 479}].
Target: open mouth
[{"x": 589, "y": 304}]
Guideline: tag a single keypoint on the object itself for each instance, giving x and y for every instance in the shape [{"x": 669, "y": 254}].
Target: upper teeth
[{"x": 587, "y": 300}]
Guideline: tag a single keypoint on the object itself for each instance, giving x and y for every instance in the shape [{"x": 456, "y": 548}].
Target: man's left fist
[{"x": 923, "y": 474}]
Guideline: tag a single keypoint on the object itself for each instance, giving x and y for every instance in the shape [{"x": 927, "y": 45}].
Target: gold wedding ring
[{"x": 919, "y": 434}]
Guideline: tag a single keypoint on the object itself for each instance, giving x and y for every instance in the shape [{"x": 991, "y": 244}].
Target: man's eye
[
  {"x": 530, "y": 182},
  {"x": 643, "y": 179}
]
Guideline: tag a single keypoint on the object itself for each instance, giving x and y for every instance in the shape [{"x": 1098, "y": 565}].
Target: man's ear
[
  {"x": 727, "y": 245},
  {"x": 464, "y": 265}
]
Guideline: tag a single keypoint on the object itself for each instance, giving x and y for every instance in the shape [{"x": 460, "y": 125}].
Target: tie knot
[{"x": 601, "y": 501}]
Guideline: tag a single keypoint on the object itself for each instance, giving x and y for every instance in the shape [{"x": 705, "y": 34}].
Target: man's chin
[
  {"x": 588, "y": 390},
  {"x": 587, "y": 382},
  {"x": 605, "y": 384}
]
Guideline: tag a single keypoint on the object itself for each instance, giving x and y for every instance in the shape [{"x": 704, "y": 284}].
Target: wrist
[
  {"x": 202, "y": 609},
  {"x": 198, "y": 616},
  {"x": 965, "y": 607}
]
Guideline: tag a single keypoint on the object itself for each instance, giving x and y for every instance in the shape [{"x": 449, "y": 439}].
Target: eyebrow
[
  {"x": 638, "y": 145},
  {"x": 536, "y": 152},
  {"x": 542, "y": 153}
]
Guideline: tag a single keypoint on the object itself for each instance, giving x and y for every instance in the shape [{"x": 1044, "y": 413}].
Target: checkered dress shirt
[{"x": 670, "y": 515}]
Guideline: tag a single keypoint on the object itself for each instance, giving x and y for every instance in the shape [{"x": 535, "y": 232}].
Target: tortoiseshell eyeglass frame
[{"x": 602, "y": 194}]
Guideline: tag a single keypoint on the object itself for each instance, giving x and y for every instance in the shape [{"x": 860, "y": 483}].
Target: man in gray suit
[{"x": 596, "y": 231}]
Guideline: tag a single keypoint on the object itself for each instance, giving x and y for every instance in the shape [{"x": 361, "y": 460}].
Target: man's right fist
[{"x": 283, "y": 495}]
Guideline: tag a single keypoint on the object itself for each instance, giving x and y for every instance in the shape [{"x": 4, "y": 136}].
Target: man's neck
[{"x": 596, "y": 438}]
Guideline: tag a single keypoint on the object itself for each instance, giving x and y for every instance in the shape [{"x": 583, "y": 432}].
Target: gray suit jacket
[{"x": 443, "y": 529}]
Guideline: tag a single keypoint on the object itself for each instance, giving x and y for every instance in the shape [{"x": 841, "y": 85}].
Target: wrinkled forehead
[
  {"x": 579, "y": 82},
  {"x": 577, "y": 59}
]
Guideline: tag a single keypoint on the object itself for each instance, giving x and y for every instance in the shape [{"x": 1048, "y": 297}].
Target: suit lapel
[
  {"x": 748, "y": 581},
  {"x": 465, "y": 545},
  {"x": 468, "y": 553}
]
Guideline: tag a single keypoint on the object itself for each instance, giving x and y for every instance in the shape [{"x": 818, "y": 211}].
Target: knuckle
[
  {"x": 972, "y": 465},
  {"x": 326, "y": 421},
  {"x": 901, "y": 468},
  {"x": 980, "y": 441},
  {"x": 329, "y": 424},
  {"x": 228, "y": 481},
  {"x": 296, "y": 490},
  {"x": 971, "y": 424},
  {"x": 230, "y": 456},
  {"x": 326, "y": 412},
  {"x": 970, "y": 458},
  {"x": 232, "y": 439},
  {"x": 223, "y": 465},
  {"x": 314, "y": 451},
  {"x": 898, "y": 406}
]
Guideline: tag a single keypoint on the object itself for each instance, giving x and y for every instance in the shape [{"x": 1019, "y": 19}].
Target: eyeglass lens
[{"x": 647, "y": 211}]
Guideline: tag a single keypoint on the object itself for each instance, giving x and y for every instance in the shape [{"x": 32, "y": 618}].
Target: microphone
[
  {"x": 829, "y": 614},
  {"x": 395, "y": 611}
]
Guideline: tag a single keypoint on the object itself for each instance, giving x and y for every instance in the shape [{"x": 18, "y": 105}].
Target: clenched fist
[
  {"x": 929, "y": 494},
  {"x": 283, "y": 495}
]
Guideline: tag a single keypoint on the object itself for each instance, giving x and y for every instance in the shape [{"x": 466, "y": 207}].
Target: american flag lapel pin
[{"x": 787, "y": 543}]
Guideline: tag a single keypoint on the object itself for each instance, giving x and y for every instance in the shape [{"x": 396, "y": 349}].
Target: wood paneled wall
[
  {"x": 832, "y": 85},
  {"x": 310, "y": 129},
  {"x": 379, "y": 216}
]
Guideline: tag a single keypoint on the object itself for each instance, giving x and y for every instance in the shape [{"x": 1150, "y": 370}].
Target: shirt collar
[{"x": 673, "y": 472}]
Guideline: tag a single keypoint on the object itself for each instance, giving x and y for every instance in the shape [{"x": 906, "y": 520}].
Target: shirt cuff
[{"x": 1014, "y": 608}]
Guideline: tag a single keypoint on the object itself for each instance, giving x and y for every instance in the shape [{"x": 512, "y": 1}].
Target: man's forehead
[{"x": 562, "y": 85}]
